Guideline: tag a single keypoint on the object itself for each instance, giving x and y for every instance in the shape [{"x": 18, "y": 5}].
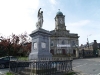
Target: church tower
[{"x": 60, "y": 21}]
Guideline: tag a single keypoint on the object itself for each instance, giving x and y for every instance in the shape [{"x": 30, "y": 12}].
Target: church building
[{"x": 62, "y": 42}]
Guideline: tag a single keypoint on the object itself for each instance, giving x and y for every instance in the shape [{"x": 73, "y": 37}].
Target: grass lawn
[
  {"x": 8, "y": 73},
  {"x": 23, "y": 58}
]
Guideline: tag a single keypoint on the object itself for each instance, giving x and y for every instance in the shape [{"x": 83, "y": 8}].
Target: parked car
[{"x": 4, "y": 61}]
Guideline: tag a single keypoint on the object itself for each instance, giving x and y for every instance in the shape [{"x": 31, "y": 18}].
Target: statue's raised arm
[
  {"x": 40, "y": 19},
  {"x": 39, "y": 12}
]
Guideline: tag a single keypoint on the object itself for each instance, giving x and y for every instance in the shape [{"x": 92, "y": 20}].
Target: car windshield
[{"x": 12, "y": 58}]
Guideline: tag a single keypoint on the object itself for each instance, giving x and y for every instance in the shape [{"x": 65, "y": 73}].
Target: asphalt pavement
[
  {"x": 89, "y": 66},
  {"x": 3, "y": 71}
]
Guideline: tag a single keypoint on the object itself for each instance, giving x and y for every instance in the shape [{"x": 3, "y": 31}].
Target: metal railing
[
  {"x": 86, "y": 53},
  {"x": 43, "y": 66}
]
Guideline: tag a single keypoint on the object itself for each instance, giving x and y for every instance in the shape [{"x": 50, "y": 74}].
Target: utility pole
[{"x": 88, "y": 40}]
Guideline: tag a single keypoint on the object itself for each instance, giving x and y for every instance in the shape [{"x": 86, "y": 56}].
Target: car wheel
[{"x": 2, "y": 66}]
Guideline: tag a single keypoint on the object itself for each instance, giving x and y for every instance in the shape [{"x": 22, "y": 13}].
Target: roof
[
  {"x": 57, "y": 33},
  {"x": 59, "y": 13}
]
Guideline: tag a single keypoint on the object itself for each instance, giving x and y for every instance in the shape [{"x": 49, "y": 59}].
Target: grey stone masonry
[{"x": 40, "y": 44}]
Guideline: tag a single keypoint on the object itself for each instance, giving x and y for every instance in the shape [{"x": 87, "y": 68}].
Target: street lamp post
[{"x": 88, "y": 40}]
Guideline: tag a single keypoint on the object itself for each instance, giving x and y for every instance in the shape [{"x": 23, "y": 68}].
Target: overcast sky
[{"x": 81, "y": 16}]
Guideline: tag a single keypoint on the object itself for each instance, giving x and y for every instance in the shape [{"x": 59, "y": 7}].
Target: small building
[
  {"x": 63, "y": 42},
  {"x": 90, "y": 49}
]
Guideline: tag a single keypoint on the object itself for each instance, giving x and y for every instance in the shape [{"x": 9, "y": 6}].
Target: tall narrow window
[
  {"x": 73, "y": 43},
  {"x": 52, "y": 51},
  {"x": 63, "y": 51},
  {"x": 63, "y": 42},
  {"x": 52, "y": 43}
]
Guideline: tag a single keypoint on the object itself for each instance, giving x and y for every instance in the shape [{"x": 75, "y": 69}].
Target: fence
[
  {"x": 44, "y": 66},
  {"x": 86, "y": 53}
]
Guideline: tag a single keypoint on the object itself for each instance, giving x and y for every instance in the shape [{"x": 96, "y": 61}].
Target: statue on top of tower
[{"x": 40, "y": 19}]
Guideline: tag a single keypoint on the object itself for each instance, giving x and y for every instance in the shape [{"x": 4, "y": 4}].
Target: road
[
  {"x": 90, "y": 66},
  {"x": 3, "y": 71}
]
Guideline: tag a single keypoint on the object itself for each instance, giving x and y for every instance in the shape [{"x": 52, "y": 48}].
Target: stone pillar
[
  {"x": 77, "y": 53},
  {"x": 40, "y": 44},
  {"x": 99, "y": 53}
]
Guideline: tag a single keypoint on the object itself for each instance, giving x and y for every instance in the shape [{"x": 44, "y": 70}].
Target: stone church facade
[{"x": 62, "y": 42}]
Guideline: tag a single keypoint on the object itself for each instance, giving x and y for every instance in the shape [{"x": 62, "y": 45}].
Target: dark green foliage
[{"x": 16, "y": 45}]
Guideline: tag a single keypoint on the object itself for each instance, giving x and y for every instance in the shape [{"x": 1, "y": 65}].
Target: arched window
[
  {"x": 63, "y": 42},
  {"x": 73, "y": 43},
  {"x": 52, "y": 43}
]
